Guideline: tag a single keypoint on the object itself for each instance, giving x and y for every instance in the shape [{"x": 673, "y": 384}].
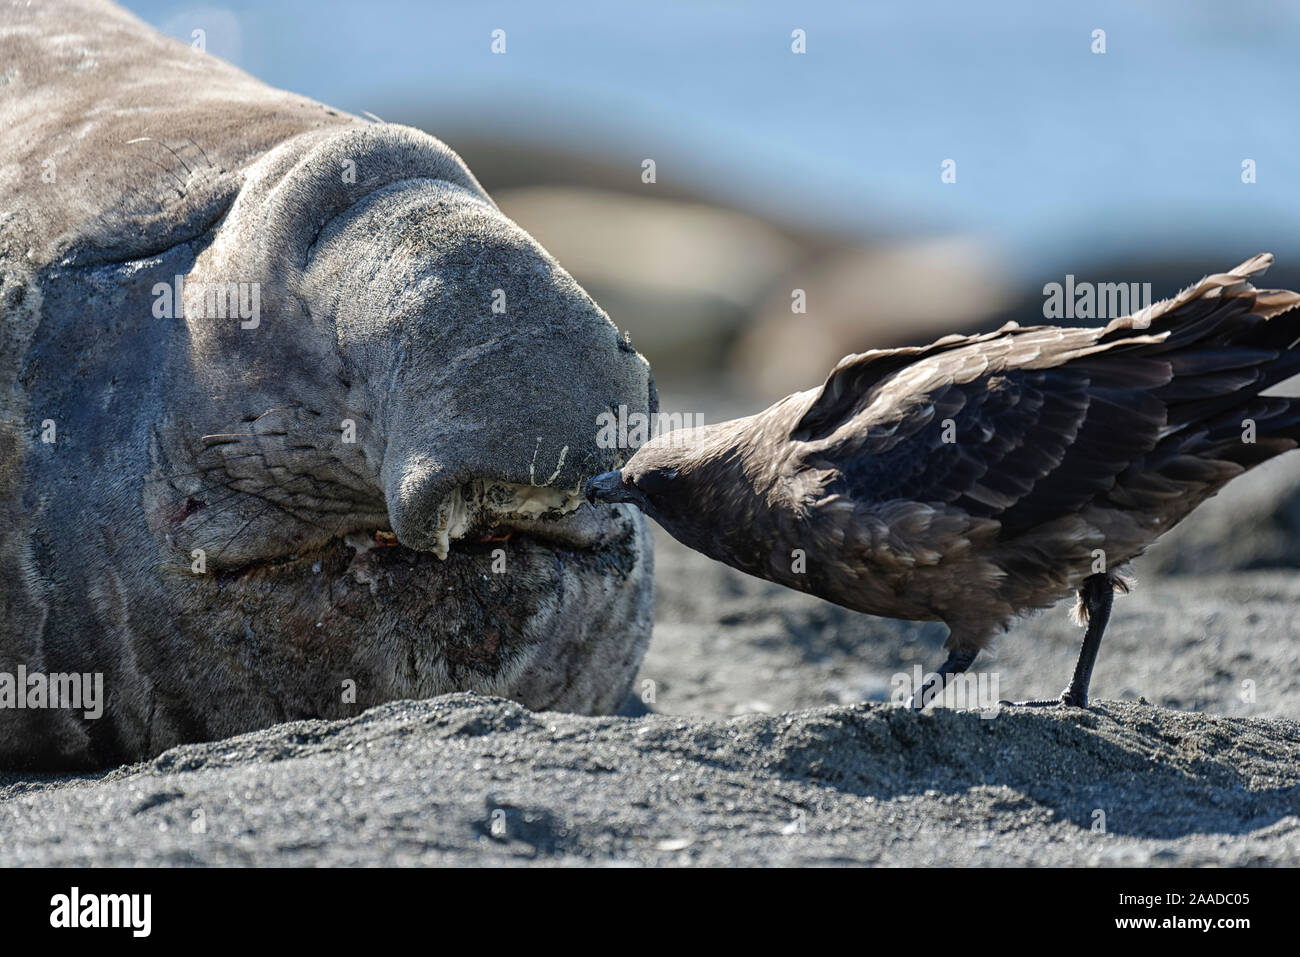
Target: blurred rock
[
  {"x": 680, "y": 277},
  {"x": 904, "y": 293}
]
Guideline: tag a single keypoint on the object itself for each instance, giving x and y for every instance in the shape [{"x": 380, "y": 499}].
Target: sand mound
[{"x": 467, "y": 779}]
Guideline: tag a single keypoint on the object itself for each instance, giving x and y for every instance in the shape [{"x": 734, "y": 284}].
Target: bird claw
[
  {"x": 1035, "y": 703},
  {"x": 1066, "y": 700}
]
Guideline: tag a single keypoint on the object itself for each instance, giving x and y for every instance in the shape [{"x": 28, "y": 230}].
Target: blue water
[{"x": 1063, "y": 155}]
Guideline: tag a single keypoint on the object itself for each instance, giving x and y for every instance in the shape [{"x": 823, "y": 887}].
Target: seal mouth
[
  {"x": 576, "y": 527},
  {"x": 482, "y": 507}
]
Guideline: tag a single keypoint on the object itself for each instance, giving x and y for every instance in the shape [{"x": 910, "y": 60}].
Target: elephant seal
[{"x": 293, "y": 421}]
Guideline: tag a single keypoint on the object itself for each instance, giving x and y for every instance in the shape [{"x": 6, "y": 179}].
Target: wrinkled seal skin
[{"x": 177, "y": 434}]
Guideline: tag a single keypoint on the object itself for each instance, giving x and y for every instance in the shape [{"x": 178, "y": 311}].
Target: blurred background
[{"x": 822, "y": 171}]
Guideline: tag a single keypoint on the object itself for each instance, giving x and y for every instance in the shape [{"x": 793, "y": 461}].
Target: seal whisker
[
  {"x": 292, "y": 513},
  {"x": 239, "y": 531},
  {"x": 180, "y": 188},
  {"x": 149, "y": 139},
  {"x": 215, "y": 466},
  {"x": 236, "y": 436},
  {"x": 212, "y": 510},
  {"x": 204, "y": 154},
  {"x": 210, "y": 488},
  {"x": 261, "y": 493}
]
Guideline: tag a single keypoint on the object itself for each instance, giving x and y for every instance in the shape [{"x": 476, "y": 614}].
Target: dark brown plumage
[{"x": 979, "y": 477}]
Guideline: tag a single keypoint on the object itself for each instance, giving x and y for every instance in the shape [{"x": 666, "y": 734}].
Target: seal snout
[{"x": 429, "y": 511}]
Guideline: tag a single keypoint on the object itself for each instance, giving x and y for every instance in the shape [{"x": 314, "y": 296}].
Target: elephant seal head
[
  {"x": 357, "y": 472},
  {"x": 382, "y": 468},
  {"x": 293, "y": 421}
]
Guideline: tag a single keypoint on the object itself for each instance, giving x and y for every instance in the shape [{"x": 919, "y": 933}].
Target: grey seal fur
[{"x": 368, "y": 491}]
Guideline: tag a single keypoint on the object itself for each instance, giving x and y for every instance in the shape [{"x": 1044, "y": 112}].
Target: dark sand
[{"x": 469, "y": 780}]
